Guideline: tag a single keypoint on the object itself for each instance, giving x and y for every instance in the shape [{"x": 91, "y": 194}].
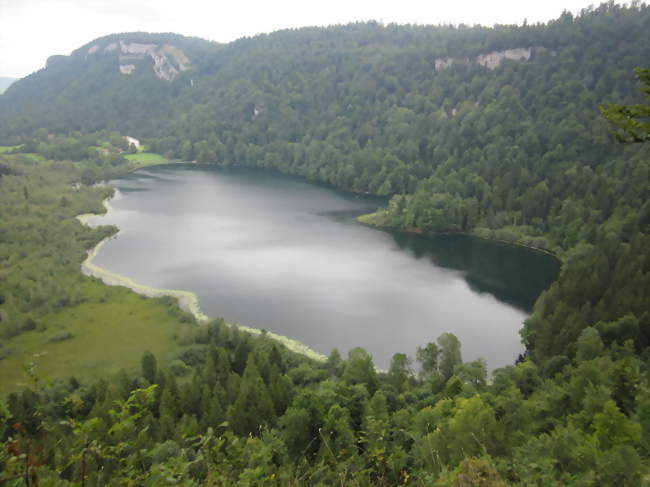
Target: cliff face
[
  {"x": 122, "y": 74},
  {"x": 166, "y": 60},
  {"x": 492, "y": 60}
]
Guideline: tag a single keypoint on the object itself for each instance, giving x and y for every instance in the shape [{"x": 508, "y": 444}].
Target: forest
[{"x": 548, "y": 149}]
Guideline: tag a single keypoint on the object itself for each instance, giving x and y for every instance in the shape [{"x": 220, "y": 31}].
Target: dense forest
[{"x": 495, "y": 132}]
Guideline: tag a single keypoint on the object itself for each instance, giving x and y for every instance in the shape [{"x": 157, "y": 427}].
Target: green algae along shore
[{"x": 187, "y": 300}]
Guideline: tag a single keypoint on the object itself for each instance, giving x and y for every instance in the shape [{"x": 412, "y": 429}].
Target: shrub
[
  {"x": 179, "y": 368},
  {"x": 61, "y": 337}
]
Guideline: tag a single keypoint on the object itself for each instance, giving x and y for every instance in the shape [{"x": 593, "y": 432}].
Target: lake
[{"x": 274, "y": 252}]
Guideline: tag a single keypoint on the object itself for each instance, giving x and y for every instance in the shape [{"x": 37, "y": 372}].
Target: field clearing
[
  {"x": 107, "y": 337},
  {"x": 147, "y": 158},
  {"x": 98, "y": 329},
  {"x": 34, "y": 157}
]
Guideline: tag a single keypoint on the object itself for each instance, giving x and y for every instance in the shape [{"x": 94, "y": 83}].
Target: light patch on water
[{"x": 187, "y": 301}]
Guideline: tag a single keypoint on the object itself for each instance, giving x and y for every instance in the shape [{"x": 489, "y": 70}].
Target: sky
[{"x": 33, "y": 30}]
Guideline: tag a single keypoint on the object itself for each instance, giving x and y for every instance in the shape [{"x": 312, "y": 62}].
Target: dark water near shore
[{"x": 273, "y": 252}]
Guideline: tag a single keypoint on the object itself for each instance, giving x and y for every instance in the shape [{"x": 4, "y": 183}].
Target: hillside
[
  {"x": 112, "y": 82},
  {"x": 494, "y": 132}
]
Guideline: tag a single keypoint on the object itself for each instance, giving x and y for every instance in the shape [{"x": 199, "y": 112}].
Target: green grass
[
  {"x": 41, "y": 282},
  {"x": 34, "y": 157},
  {"x": 147, "y": 158},
  {"x": 108, "y": 336},
  {"x": 377, "y": 219},
  {"x": 8, "y": 148}
]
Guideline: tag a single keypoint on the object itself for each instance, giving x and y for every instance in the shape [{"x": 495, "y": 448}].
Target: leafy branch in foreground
[{"x": 631, "y": 119}]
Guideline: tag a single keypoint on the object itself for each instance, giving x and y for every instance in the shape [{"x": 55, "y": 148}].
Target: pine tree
[
  {"x": 359, "y": 369},
  {"x": 450, "y": 355},
  {"x": 253, "y": 408},
  {"x": 149, "y": 367}
]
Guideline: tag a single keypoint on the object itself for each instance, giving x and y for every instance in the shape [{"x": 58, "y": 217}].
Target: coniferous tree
[
  {"x": 253, "y": 408},
  {"x": 149, "y": 367},
  {"x": 450, "y": 355}
]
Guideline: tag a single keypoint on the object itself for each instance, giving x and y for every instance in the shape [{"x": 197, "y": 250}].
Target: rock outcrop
[
  {"x": 168, "y": 60},
  {"x": 491, "y": 60}
]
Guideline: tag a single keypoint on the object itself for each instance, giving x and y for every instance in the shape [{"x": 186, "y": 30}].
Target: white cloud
[{"x": 33, "y": 30}]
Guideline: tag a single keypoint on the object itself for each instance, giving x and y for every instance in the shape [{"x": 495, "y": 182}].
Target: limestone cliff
[
  {"x": 168, "y": 60},
  {"x": 492, "y": 60}
]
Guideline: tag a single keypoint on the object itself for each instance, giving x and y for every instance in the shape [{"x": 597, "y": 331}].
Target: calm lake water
[{"x": 273, "y": 252}]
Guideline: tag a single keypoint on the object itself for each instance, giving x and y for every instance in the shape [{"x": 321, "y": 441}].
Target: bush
[
  {"x": 61, "y": 337},
  {"x": 191, "y": 334},
  {"x": 554, "y": 365},
  {"x": 165, "y": 451},
  {"x": 5, "y": 352},
  {"x": 179, "y": 368},
  {"x": 192, "y": 355},
  {"x": 28, "y": 325}
]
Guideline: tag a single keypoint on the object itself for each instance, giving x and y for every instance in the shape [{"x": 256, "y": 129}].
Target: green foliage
[
  {"x": 632, "y": 119},
  {"x": 359, "y": 369},
  {"x": 400, "y": 372},
  {"x": 589, "y": 344},
  {"x": 450, "y": 355},
  {"x": 253, "y": 408},
  {"x": 479, "y": 472},
  {"x": 613, "y": 429},
  {"x": 64, "y": 101},
  {"x": 606, "y": 286},
  {"x": 48, "y": 308},
  {"x": 337, "y": 437},
  {"x": 567, "y": 427},
  {"x": 555, "y": 365},
  {"x": 428, "y": 358},
  {"x": 149, "y": 366}
]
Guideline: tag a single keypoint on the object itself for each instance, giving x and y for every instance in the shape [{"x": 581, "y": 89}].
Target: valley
[
  {"x": 461, "y": 148},
  {"x": 275, "y": 253}
]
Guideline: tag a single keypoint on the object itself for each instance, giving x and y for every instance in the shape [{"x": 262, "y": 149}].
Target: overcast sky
[{"x": 33, "y": 30}]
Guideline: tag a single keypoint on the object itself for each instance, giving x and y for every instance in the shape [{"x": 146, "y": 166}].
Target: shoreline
[
  {"x": 365, "y": 220},
  {"x": 187, "y": 300}
]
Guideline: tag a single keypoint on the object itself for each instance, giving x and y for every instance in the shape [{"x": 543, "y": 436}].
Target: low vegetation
[
  {"x": 147, "y": 158},
  {"x": 43, "y": 294},
  {"x": 236, "y": 410}
]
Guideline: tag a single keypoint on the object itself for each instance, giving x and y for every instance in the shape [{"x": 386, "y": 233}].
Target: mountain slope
[{"x": 109, "y": 83}]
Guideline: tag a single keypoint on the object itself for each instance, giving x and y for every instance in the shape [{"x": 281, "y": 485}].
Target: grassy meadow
[
  {"x": 53, "y": 319},
  {"x": 107, "y": 336},
  {"x": 147, "y": 158}
]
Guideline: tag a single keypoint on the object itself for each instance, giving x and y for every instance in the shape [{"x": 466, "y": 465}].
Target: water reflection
[
  {"x": 274, "y": 252},
  {"x": 513, "y": 274}
]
